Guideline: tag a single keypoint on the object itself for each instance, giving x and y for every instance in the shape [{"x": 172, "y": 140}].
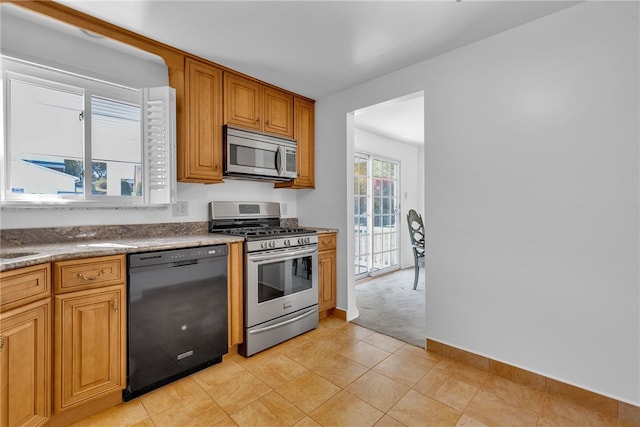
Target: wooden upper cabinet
[
  {"x": 252, "y": 105},
  {"x": 242, "y": 101},
  {"x": 304, "y": 131},
  {"x": 200, "y": 145},
  {"x": 277, "y": 109}
]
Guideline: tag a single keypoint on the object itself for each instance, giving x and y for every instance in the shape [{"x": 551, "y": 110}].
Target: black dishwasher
[{"x": 177, "y": 315}]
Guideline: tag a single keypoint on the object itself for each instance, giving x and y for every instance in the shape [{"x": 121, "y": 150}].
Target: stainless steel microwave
[{"x": 254, "y": 155}]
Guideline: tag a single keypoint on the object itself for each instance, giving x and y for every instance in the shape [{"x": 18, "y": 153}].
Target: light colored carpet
[{"x": 389, "y": 305}]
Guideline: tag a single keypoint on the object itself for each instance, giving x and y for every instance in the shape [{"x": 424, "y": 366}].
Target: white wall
[
  {"x": 410, "y": 187},
  {"x": 532, "y": 194}
]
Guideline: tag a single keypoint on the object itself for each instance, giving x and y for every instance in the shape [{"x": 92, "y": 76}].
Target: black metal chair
[{"x": 416, "y": 232}]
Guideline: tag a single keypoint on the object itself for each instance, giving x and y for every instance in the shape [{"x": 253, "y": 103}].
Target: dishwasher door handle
[{"x": 286, "y": 322}]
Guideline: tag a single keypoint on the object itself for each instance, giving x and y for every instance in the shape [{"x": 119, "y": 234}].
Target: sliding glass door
[{"x": 376, "y": 214}]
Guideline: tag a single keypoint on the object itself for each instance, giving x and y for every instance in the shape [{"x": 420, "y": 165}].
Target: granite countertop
[
  {"x": 39, "y": 245},
  {"x": 26, "y": 247},
  {"x": 37, "y": 254},
  {"x": 321, "y": 230}
]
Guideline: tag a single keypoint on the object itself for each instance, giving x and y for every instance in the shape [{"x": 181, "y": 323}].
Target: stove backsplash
[
  {"x": 289, "y": 222},
  {"x": 54, "y": 235}
]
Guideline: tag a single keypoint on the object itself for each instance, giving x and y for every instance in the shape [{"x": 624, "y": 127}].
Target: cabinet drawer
[
  {"x": 24, "y": 285},
  {"x": 89, "y": 273},
  {"x": 326, "y": 241}
]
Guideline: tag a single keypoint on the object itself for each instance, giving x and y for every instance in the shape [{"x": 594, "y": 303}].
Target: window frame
[{"x": 49, "y": 77}]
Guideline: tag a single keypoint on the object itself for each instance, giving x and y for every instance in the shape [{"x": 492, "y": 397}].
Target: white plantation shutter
[{"x": 159, "y": 139}]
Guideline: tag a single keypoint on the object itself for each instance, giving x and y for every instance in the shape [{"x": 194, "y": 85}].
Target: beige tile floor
[{"x": 341, "y": 374}]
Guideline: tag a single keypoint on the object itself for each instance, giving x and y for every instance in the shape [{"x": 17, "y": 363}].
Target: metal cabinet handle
[
  {"x": 83, "y": 277},
  {"x": 116, "y": 305},
  {"x": 1, "y": 342}
]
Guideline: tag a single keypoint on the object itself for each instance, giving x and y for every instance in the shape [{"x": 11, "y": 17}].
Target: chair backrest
[{"x": 416, "y": 231}]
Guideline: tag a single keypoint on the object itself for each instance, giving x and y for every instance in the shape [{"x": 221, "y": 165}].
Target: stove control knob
[
  {"x": 287, "y": 242},
  {"x": 263, "y": 245},
  {"x": 300, "y": 241},
  {"x": 272, "y": 244}
]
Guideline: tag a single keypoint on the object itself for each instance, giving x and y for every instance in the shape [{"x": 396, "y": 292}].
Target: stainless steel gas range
[{"x": 280, "y": 278}]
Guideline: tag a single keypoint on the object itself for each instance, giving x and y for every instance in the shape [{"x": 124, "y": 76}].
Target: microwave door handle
[{"x": 279, "y": 155}]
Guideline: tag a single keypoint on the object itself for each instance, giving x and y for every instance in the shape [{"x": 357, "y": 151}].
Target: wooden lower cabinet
[
  {"x": 89, "y": 345},
  {"x": 25, "y": 361},
  {"x": 24, "y": 285},
  {"x": 326, "y": 273},
  {"x": 235, "y": 293}
]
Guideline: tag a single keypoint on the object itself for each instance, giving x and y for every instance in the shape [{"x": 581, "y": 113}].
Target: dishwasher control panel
[{"x": 193, "y": 254}]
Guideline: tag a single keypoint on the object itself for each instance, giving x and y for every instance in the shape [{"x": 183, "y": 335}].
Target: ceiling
[
  {"x": 318, "y": 48},
  {"x": 400, "y": 119}
]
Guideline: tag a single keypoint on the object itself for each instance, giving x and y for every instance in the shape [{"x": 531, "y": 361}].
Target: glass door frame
[{"x": 364, "y": 238}]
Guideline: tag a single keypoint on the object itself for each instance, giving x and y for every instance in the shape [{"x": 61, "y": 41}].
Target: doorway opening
[{"x": 388, "y": 181}]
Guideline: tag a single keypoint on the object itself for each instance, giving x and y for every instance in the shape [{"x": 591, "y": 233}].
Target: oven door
[{"x": 280, "y": 282}]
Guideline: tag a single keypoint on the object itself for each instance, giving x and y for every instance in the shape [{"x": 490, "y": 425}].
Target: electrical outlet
[
  {"x": 283, "y": 207},
  {"x": 180, "y": 208}
]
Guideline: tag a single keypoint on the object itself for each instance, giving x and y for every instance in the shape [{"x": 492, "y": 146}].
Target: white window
[{"x": 74, "y": 139}]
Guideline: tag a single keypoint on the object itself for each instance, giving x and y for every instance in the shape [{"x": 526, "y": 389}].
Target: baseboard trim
[
  {"x": 340, "y": 314},
  {"x": 333, "y": 312},
  {"x": 603, "y": 404}
]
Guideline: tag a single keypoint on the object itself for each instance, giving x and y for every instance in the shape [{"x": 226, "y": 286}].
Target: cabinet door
[
  {"x": 25, "y": 360},
  {"x": 200, "y": 155},
  {"x": 277, "y": 109},
  {"x": 326, "y": 280},
  {"x": 90, "y": 345},
  {"x": 303, "y": 120},
  {"x": 242, "y": 101}
]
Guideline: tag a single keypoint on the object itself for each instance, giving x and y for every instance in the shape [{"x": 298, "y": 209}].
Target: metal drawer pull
[{"x": 83, "y": 277}]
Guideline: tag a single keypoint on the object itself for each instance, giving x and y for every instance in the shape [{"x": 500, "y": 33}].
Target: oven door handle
[
  {"x": 283, "y": 255},
  {"x": 286, "y": 322}
]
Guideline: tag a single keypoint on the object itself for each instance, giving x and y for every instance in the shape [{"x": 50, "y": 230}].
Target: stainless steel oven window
[{"x": 281, "y": 278}]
